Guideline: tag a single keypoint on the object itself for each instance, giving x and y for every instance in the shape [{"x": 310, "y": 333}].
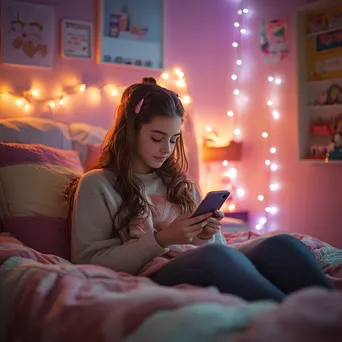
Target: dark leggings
[{"x": 275, "y": 267}]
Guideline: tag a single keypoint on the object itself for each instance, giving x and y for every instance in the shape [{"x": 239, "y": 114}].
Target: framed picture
[
  {"x": 77, "y": 39},
  {"x": 131, "y": 33},
  {"x": 27, "y": 34}
]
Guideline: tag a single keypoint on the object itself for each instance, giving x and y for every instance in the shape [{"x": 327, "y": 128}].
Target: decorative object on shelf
[
  {"x": 129, "y": 28},
  {"x": 273, "y": 38},
  {"x": 333, "y": 95},
  {"x": 322, "y": 127},
  {"x": 27, "y": 34},
  {"x": 324, "y": 43},
  {"x": 335, "y": 148},
  {"x": 77, "y": 39}
]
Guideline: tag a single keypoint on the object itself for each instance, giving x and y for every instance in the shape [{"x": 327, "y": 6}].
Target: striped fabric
[{"x": 32, "y": 183}]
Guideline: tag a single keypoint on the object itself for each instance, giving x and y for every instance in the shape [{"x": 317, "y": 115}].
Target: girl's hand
[
  {"x": 182, "y": 230},
  {"x": 213, "y": 226}
]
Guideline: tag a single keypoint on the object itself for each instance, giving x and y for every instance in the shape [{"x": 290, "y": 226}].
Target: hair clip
[{"x": 138, "y": 107}]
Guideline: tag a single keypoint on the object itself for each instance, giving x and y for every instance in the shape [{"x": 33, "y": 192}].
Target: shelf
[
  {"x": 334, "y": 106},
  {"x": 322, "y": 32},
  {"x": 321, "y": 161}
]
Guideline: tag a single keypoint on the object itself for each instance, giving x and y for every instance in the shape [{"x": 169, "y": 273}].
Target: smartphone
[{"x": 212, "y": 201}]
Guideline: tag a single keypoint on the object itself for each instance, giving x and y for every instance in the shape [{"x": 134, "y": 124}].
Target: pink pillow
[
  {"x": 33, "y": 179},
  {"x": 93, "y": 155}
]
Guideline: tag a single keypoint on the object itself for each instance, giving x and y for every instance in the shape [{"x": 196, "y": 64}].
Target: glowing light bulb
[
  {"x": 239, "y": 12},
  {"x": 235, "y": 44},
  {"x": 261, "y": 198},
  {"x": 208, "y": 128},
  {"x": 236, "y": 24},
  {"x": 240, "y": 192},
  {"x": 245, "y": 10},
  {"x": 267, "y": 162},
  {"x": 19, "y": 102},
  {"x": 165, "y": 76},
  {"x": 258, "y": 226},
  {"x": 239, "y": 62},
  {"x": 237, "y": 131},
  {"x": 243, "y": 31},
  {"x": 273, "y": 150},
  {"x": 231, "y": 207},
  {"x": 179, "y": 72},
  {"x": 270, "y": 79},
  {"x": 114, "y": 92},
  {"x": 273, "y": 210},
  {"x": 264, "y": 134},
  {"x": 236, "y": 92},
  {"x": 269, "y": 103},
  {"x": 234, "y": 77},
  {"x": 275, "y": 115},
  {"x": 180, "y": 83},
  {"x": 232, "y": 172},
  {"x": 274, "y": 186},
  {"x": 277, "y": 81},
  {"x": 34, "y": 92},
  {"x": 51, "y": 104},
  {"x": 230, "y": 113},
  {"x": 82, "y": 88},
  {"x": 61, "y": 102},
  {"x": 262, "y": 220},
  {"x": 225, "y": 163},
  {"x": 27, "y": 106},
  {"x": 186, "y": 99},
  {"x": 274, "y": 167}
]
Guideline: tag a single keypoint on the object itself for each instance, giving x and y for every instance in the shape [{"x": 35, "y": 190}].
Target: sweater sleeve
[
  {"x": 95, "y": 205},
  {"x": 218, "y": 237}
]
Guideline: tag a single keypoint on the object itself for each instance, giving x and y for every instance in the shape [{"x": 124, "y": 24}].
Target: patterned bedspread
[{"x": 45, "y": 298}]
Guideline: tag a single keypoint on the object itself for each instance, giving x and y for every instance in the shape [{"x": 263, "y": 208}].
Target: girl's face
[{"x": 155, "y": 143}]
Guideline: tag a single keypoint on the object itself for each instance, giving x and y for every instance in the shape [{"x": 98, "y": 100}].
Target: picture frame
[
  {"x": 77, "y": 39},
  {"x": 27, "y": 34},
  {"x": 131, "y": 34}
]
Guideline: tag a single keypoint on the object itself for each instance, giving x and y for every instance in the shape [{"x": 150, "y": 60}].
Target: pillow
[
  {"x": 33, "y": 179},
  {"x": 82, "y": 135},
  {"x": 32, "y": 183},
  {"x": 36, "y": 131},
  {"x": 93, "y": 155}
]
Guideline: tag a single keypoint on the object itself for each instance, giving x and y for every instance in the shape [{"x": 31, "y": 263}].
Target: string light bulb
[
  {"x": 245, "y": 10},
  {"x": 235, "y": 44},
  {"x": 275, "y": 115},
  {"x": 234, "y": 77},
  {"x": 270, "y": 79},
  {"x": 230, "y": 113},
  {"x": 19, "y": 102},
  {"x": 273, "y": 150},
  {"x": 261, "y": 198},
  {"x": 267, "y": 162},
  {"x": 274, "y": 167},
  {"x": 237, "y": 131},
  {"x": 34, "y": 92},
  {"x": 277, "y": 81},
  {"x": 225, "y": 163},
  {"x": 264, "y": 135},
  {"x": 270, "y": 103},
  {"x": 243, "y": 31},
  {"x": 239, "y": 62},
  {"x": 236, "y": 24},
  {"x": 236, "y": 92},
  {"x": 274, "y": 186},
  {"x": 165, "y": 76}
]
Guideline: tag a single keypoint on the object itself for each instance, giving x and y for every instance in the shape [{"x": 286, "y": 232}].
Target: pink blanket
[{"x": 44, "y": 298}]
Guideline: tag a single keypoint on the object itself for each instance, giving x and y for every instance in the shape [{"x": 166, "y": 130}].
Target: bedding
[{"x": 44, "y": 298}]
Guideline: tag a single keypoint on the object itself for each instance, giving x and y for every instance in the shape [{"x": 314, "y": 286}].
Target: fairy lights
[
  {"x": 271, "y": 163},
  {"x": 31, "y": 99}
]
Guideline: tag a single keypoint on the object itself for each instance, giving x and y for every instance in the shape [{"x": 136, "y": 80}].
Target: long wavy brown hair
[{"x": 119, "y": 146}]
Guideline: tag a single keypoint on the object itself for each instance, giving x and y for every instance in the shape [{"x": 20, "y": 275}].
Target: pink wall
[{"x": 198, "y": 38}]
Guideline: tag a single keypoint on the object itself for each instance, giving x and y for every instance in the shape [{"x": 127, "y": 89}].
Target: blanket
[{"x": 45, "y": 298}]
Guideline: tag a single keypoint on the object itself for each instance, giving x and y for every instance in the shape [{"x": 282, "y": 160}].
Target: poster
[
  {"x": 76, "y": 39},
  {"x": 27, "y": 34},
  {"x": 324, "y": 44},
  {"x": 274, "y": 40}
]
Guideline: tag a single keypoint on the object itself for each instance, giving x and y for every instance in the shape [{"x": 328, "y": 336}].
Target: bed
[{"x": 44, "y": 297}]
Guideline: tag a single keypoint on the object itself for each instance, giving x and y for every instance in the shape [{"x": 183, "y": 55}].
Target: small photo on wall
[
  {"x": 27, "y": 34},
  {"x": 77, "y": 39}
]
